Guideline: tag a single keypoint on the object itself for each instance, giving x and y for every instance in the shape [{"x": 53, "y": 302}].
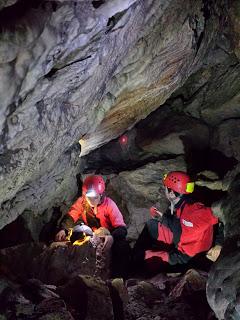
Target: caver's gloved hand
[
  {"x": 155, "y": 213},
  {"x": 79, "y": 232},
  {"x": 214, "y": 252}
]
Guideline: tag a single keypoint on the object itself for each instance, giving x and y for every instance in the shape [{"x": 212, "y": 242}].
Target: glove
[
  {"x": 214, "y": 253},
  {"x": 154, "y": 213}
]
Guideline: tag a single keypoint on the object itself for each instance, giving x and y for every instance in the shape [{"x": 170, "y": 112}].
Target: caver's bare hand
[{"x": 60, "y": 236}]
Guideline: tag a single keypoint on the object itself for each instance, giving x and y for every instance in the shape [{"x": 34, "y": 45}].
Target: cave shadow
[
  {"x": 14, "y": 233},
  {"x": 200, "y": 159}
]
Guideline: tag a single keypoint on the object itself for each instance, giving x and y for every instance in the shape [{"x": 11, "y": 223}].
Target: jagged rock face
[
  {"x": 87, "y": 297},
  {"x": 80, "y": 70},
  {"x": 156, "y": 66},
  {"x": 6, "y": 3},
  {"x": 223, "y": 283},
  {"x": 56, "y": 264},
  {"x": 235, "y": 23},
  {"x": 89, "y": 71},
  {"x": 226, "y": 138}
]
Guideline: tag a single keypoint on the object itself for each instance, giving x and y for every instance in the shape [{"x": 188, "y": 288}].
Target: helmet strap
[
  {"x": 102, "y": 197},
  {"x": 172, "y": 208},
  {"x": 174, "y": 203}
]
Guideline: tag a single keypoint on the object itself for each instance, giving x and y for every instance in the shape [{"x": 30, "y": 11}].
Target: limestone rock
[
  {"x": 137, "y": 76},
  {"x": 226, "y": 138},
  {"x": 166, "y": 133},
  {"x": 225, "y": 110},
  {"x": 151, "y": 301},
  {"x": 212, "y": 93},
  {"x": 222, "y": 287},
  {"x": 89, "y": 296},
  {"x": 6, "y": 3},
  {"x": 21, "y": 256},
  {"x": 36, "y": 291},
  {"x": 51, "y": 309},
  {"x": 234, "y": 14},
  {"x": 192, "y": 281},
  {"x": 14, "y": 305},
  {"x": 70, "y": 70},
  {"x": 58, "y": 265},
  {"x": 223, "y": 284}
]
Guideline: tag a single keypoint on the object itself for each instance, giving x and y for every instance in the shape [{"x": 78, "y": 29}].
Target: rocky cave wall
[
  {"x": 89, "y": 71},
  {"x": 165, "y": 73}
]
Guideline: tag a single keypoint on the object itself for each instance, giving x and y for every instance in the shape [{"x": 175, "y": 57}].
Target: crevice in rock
[
  {"x": 74, "y": 291},
  {"x": 79, "y": 184},
  {"x": 96, "y": 4},
  {"x": 198, "y": 37},
  {"x": 209, "y": 159},
  {"x": 117, "y": 302},
  {"x": 54, "y": 5},
  {"x": 53, "y": 71},
  {"x": 14, "y": 233},
  {"x": 2, "y": 140},
  {"x": 220, "y": 163},
  {"x": 49, "y": 229},
  {"x": 112, "y": 21},
  {"x": 230, "y": 118},
  {"x": 207, "y": 196},
  {"x": 199, "y": 41},
  {"x": 107, "y": 166},
  {"x": 40, "y": 108},
  {"x": 206, "y": 9},
  {"x": 185, "y": 100}
]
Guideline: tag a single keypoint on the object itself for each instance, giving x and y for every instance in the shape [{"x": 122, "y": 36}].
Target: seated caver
[
  {"x": 182, "y": 232},
  {"x": 96, "y": 210}
]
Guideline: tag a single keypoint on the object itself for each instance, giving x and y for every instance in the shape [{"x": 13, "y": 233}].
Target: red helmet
[
  {"x": 179, "y": 182},
  {"x": 94, "y": 185}
]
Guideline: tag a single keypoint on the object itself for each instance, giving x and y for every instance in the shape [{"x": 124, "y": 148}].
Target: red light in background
[{"x": 123, "y": 140}]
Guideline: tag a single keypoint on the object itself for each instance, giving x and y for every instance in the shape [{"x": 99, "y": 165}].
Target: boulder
[
  {"x": 222, "y": 286},
  {"x": 90, "y": 297},
  {"x": 226, "y": 138}
]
